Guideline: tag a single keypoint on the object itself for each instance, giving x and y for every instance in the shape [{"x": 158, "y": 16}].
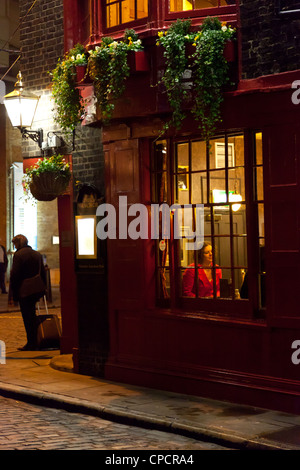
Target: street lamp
[{"x": 21, "y": 107}]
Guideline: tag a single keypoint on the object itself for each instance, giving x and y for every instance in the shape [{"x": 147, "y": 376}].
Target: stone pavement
[{"x": 46, "y": 377}]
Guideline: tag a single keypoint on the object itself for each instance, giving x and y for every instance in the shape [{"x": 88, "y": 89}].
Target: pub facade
[{"x": 157, "y": 327}]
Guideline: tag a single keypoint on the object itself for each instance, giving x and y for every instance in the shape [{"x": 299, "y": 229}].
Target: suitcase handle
[{"x": 46, "y": 306}]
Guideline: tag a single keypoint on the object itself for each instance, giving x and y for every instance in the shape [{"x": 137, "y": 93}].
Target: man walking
[{"x": 27, "y": 263}]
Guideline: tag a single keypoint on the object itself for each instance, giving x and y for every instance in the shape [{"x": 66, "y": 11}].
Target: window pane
[
  {"x": 164, "y": 284},
  {"x": 199, "y": 188},
  {"x": 240, "y": 252},
  {"x": 198, "y": 156},
  {"x": 112, "y": 14},
  {"x": 218, "y": 187},
  {"x": 237, "y": 144},
  {"x": 123, "y": 11},
  {"x": 180, "y": 5},
  {"x": 207, "y": 222},
  {"x": 261, "y": 220},
  {"x": 236, "y": 185},
  {"x": 258, "y": 148},
  {"x": 128, "y": 13},
  {"x": 225, "y": 284},
  {"x": 217, "y": 153},
  {"x": 184, "y": 5},
  {"x": 188, "y": 282},
  {"x": 186, "y": 256},
  {"x": 182, "y": 170},
  {"x": 222, "y": 253},
  {"x": 221, "y": 221},
  {"x": 259, "y": 183},
  {"x": 142, "y": 8},
  {"x": 182, "y": 155},
  {"x": 239, "y": 219}
]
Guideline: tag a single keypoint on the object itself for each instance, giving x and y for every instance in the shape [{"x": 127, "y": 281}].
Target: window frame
[
  {"x": 281, "y": 12},
  {"x": 243, "y": 309},
  {"x": 121, "y": 26},
  {"x": 203, "y": 12}
]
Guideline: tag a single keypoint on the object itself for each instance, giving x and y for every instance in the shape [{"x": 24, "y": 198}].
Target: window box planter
[
  {"x": 230, "y": 51},
  {"x": 138, "y": 61},
  {"x": 82, "y": 77}
]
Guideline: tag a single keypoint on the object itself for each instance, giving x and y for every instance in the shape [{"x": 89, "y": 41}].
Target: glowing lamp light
[
  {"x": 21, "y": 107},
  {"x": 236, "y": 198}
]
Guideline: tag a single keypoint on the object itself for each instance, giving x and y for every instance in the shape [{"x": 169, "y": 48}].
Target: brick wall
[
  {"x": 42, "y": 44},
  {"x": 88, "y": 157},
  {"x": 41, "y": 36},
  {"x": 270, "y": 42}
]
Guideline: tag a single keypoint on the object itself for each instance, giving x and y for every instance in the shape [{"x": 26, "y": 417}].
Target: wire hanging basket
[{"x": 48, "y": 185}]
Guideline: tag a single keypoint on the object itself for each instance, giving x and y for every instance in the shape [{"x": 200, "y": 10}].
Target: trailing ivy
[
  {"x": 209, "y": 71},
  {"x": 210, "y": 74},
  {"x": 69, "y": 106},
  {"x": 108, "y": 68},
  {"x": 174, "y": 41}
]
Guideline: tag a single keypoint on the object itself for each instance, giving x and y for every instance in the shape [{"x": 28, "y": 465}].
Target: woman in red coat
[{"x": 205, "y": 276}]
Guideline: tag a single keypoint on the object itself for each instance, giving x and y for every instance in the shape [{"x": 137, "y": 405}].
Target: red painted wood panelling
[
  {"x": 282, "y": 211},
  {"x": 124, "y": 255}
]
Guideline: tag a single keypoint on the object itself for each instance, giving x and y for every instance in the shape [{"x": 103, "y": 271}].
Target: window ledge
[{"x": 202, "y": 316}]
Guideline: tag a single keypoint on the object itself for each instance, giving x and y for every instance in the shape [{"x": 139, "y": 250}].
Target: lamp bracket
[{"x": 36, "y": 136}]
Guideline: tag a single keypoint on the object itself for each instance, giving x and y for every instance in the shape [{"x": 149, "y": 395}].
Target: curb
[{"x": 124, "y": 416}]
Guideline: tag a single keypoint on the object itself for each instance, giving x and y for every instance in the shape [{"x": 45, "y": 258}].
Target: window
[
  {"x": 259, "y": 212},
  {"x": 124, "y": 11},
  {"x": 289, "y": 5},
  {"x": 208, "y": 183},
  {"x": 184, "y": 5}
]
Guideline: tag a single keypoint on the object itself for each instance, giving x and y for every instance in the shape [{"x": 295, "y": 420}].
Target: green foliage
[
  {"x": 69, "y": 106},
  {"x": 55, "y": 164},
  {"x": 78, "y": 55},
  {"x": 174, "y": 41},
  {"x": 210, "y": 74},
  {"x": 108, "y": 68},
  {"x": 131, "y": 38},
  {"x": 208, "y": 66}
]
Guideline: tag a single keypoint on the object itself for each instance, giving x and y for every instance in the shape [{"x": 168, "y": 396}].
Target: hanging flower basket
[
  {"x": 48, "y": 179},
  {"x": 48, "y": 185}
]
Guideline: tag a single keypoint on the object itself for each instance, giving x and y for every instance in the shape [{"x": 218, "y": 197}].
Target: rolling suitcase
[{"x": 48, "y": 329}]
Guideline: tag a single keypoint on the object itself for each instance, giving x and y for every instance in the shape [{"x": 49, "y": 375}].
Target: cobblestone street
[
  {"x": 29, "y": 427},
  {"x": 12, "y": 330}
]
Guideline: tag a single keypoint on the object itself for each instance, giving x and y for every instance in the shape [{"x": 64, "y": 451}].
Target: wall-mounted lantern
[{"x": 21, "y": 107}]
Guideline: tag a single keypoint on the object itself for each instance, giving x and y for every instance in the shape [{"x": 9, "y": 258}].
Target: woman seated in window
[{"x": 205, "y": 276}]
